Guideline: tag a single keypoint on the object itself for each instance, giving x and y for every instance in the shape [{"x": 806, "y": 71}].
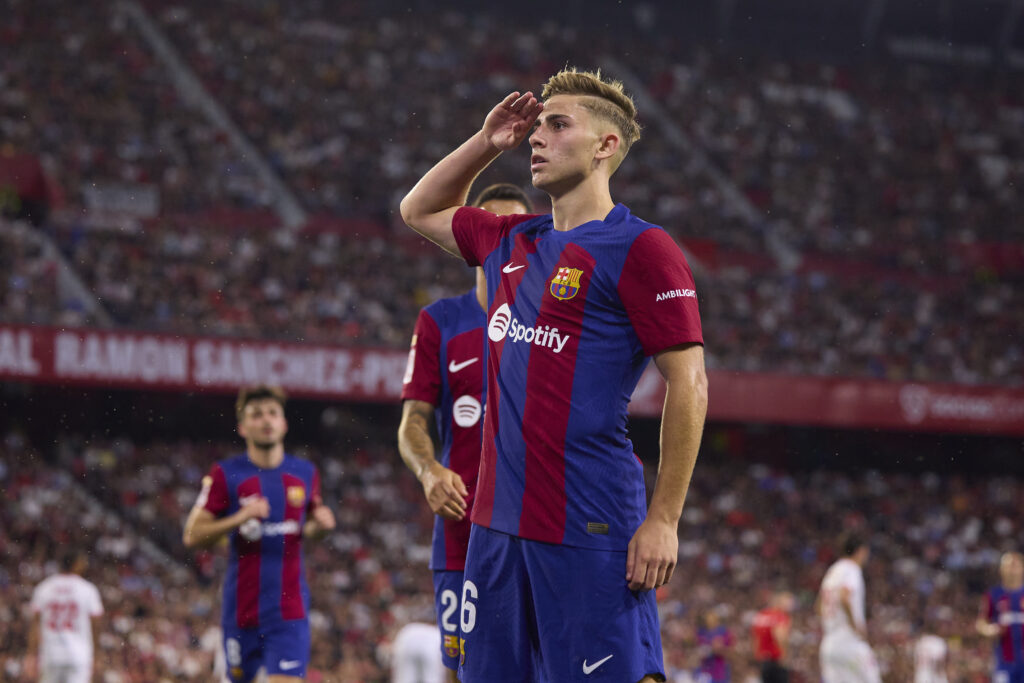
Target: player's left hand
[
  {"x": 652, "y": 555},
  {"x": 324, "y": 517}
]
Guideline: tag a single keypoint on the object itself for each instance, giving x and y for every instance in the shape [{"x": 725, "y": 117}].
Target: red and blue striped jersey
[
  {"x": 446, "y": 369},
  {"x": 1006, "y": 608},
  {"x": 265, "y": 581},
  {"x": 573, "y": 318}
]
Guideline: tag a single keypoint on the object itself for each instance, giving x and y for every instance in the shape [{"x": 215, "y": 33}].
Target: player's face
[
  {"x": 504, "y": 207},
  {"x": 263, "y": 423},
  {"x": 564, "y": 145},
  {"x": 1011, "y": 570}
]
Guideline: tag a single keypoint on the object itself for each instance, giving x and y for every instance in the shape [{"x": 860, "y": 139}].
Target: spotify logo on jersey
[
  {"x": 466, "y": 411},
  {"x": 498, "y": 327}
]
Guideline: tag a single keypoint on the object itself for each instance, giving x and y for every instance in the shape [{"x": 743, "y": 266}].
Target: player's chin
[{"x": 267, "y": 444}]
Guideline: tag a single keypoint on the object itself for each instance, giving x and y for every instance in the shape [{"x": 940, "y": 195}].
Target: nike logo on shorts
[
  {"x": 289, "y": 664},
  {"x": 589, "y": 669}
]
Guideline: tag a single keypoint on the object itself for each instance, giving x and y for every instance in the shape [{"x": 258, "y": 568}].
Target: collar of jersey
[{"x": 614, "y": 217}]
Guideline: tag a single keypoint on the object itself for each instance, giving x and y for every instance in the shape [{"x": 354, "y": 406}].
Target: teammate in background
[
  {"x": 266, "y": 502},
  {"x": 1002, "y": 620},
  {"x": 414, "y": 655},
  {"x": 715, "y": 640},
  {"x": 771, "y": 637},
  {"x": 563, "y": 554},
  {"x": 845, "y": 654},
  {"x": 64, "y": 609},
  {"x": 445, "y": 381}
]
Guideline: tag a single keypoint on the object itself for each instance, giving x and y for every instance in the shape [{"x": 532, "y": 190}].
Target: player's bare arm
[
  {"x": 32, "y": 656},
  {"x": 431, "y": 204},
  {"x": 203, "y": 529},
  {"x": 320, "y": 523},
  {"x": 443, "y": 488},
  {"x": 844, "y": 603},
  {"x": 653, "y": 551}
]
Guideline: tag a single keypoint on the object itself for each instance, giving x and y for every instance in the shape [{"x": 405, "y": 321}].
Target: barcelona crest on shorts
[
  {"x": 566, "y": 283},
  {"x": 296, "y": 495},
  {"x": 451, "y": 646}
]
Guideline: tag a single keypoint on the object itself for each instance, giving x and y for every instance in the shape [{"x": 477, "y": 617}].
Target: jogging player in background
[
  {"x": 845, "y": 654},
  {"x": 564, "y": 553},
  {"x": 266, "y": 502},
  {"x": 771, "y": 637},
  {"x": 64, "y": 608},
  {"x": 444, "y": 383},
  {"x": 1002, "y": 620}
]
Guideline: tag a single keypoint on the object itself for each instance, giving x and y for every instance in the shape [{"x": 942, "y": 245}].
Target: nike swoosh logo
[
  {"x": 289, "y": 665},
  {"x": 455, "y": 367},
  {"x": 509, "y": 268},
  {"x": 587, "y": 670}
]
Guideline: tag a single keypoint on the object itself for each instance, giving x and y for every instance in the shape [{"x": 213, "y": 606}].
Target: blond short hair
[{"x": 605, "y": 98}]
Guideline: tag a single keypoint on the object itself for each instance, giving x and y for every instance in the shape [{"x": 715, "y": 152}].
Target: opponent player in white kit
[
  {"x": 63, "y": 608},
  {"x": 845, "y": 654},
  {"x": 416, "y": 655},
  {"x": 930, "y": 659}
]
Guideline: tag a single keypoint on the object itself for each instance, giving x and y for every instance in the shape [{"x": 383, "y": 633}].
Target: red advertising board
[{"x": 166, "y": 362}]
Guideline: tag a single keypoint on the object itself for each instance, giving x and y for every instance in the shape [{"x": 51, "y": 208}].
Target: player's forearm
[
  {"x": 682, "y": 424},
  {"x": 201, "y": 533},
  {"x": 414, "y": 442},
  {"x": 447, "y": 184}
]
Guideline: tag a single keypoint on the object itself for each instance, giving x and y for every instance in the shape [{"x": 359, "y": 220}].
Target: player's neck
[
  {"x": 1012, "y": 586},
  {"x": 266, "y": 458},
  {"x": 588, "y": 201}
]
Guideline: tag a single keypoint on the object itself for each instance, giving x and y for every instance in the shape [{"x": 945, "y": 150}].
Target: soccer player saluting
[
  {"x": 845, "y": 654},
  {"x": 64, "y": 607},
  {"x": 445, "y": 381},
  {"x": 266, "y": 501},
  {"x": 563, "y": 555},
  {"x": 1002, "y": 620}
]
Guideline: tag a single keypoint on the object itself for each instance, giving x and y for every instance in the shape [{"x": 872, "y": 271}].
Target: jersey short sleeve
[
  {"x": 658, "y": 292},
  {"x": 478, "y": 232},
  {"x": 95, "y": 605},
  {"x": 988, "y": 608},
  {"x": 214, "y": 496},
  {"x": 422, "y": 380}
]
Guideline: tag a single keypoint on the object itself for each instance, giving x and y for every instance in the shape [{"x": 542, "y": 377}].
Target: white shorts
[
  {"x": 845, "y": 658},
  {"x": 65, "y": 673}
]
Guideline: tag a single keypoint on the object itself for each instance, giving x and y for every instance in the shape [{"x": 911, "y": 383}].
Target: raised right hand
[{"x": 510, "y": 121}]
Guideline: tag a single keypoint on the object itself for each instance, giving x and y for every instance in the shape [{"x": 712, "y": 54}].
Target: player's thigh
[
  {"x": 447, "y": 603},
  {"x": 243, "y": 654},
  {"x": 848, "y": 660},
  {"x": 591, "y": 627},
  {"x": 286, "y": 646},
  {"x": 496, "y": 617}
]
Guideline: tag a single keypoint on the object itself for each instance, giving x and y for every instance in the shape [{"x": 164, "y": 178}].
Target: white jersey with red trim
[{"x": 65, "y": 605}]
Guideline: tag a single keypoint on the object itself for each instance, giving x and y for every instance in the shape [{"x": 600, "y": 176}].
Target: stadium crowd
[
  {"x": 350, "y": 103},
  {"x": 747, "y": 529}
]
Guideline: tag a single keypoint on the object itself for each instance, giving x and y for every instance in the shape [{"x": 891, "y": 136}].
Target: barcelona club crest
[
  {"x": 566, "y": 283},
  {"x": 296, "y": 495}
]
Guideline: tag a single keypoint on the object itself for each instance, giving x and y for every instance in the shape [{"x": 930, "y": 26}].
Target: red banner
[
  {"x": 157, "y": 361},
  {"x": 166, "y": 362},
  {"x": 848, "y": 402}
]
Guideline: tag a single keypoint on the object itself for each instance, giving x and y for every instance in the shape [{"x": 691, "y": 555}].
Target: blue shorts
[
  {"x": 1008, "y": 673},
  {"x": 281, "y": 648},
  {"x": 534, "y": 611},
  {"x": 447, "y": 589}
]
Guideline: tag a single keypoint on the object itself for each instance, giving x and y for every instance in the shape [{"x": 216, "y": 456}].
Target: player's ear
[
  {"x": 285, "y": 427},
  {"x": 608, "y": 146},
  {"x": 241, "y": 431}
]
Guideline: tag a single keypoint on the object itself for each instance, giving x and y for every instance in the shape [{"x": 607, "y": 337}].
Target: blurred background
[{"x": 199, "y": 195}]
